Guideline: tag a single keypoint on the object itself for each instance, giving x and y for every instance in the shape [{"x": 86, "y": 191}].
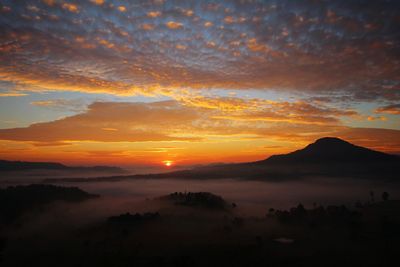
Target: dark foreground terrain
[{"x": 196, "y": 229}]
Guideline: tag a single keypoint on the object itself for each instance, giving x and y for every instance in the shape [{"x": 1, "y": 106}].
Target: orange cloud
[
  {"x": 299, "y": 112},
  {"x": 147, "y": 27},
  {"x": 131, "y": 122},
  {"x": 374, "y": 118},
  {"x": 180, "y": 47},
  {"x": 8, "y": 94},
  {"x": 97, "y": 2},
  {"x": 229, "y": 19},
  {"x": 49, "y": 2},
  {"x": 254, "y": 46},
  {"x": 70, "y": 7},
  {"x": 153, "y": 14},
  {"x": 122, "y": 8},
  {"x": 188, "y": 12},
  {"x": 174, "y": 25}
]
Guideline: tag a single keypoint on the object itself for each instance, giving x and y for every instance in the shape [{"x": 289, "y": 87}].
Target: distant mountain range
[
  {"x": 326, "y": 157},
  {"x": 6, "y": 165}
]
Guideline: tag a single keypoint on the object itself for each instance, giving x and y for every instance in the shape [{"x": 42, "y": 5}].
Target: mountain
[
  {"x": 326, "y": 157},
  {"x": 331, "y": 150},
  {"x": 6, "y": 165}
]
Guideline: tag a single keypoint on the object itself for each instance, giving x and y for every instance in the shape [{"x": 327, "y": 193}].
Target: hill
[
  {"x": 331, "y": 149},
  {"x": 6, "y": 165},
  {"x": 326, "y": 157},
  {"x": 16, "y": 200}
]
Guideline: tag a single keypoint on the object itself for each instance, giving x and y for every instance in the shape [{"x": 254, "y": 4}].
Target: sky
[{"x": 195, "y": 82}]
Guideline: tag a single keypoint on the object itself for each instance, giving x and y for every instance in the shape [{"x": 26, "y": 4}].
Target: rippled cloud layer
[{"x": 125, "y": 47}]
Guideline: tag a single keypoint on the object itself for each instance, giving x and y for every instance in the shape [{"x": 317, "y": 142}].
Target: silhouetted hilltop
[
  {"x": 331, "y": 149},
  {"x": 6, "y": 165},
  {"x": 15, "y": 200},
  {"x": 197, "y": 199},
  {"x": 326, "y": 157}
]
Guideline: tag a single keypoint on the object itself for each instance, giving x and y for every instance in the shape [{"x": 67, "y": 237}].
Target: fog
[
  {"x": 258, "y": 195},
  {"x": 252, "y": 197}
]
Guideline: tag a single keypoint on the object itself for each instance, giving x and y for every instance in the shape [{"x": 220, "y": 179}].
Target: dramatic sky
[{"x": 194, "y": 82}]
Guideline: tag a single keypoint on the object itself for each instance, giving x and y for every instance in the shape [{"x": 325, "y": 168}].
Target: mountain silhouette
[
  {"x": 329, "y": 150},
  {"x": 6, "y": 165},
  {"x": 326, "y": 157}
]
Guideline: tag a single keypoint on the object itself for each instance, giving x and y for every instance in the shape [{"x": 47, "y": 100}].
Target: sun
[{"x": 167, "y": 163}]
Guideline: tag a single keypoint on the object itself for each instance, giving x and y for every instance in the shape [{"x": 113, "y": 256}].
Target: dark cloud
[{"x": 389, "y": 109}]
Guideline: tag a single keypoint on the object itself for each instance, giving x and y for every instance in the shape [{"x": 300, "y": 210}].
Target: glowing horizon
[{"x": 195, "y": 82}]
